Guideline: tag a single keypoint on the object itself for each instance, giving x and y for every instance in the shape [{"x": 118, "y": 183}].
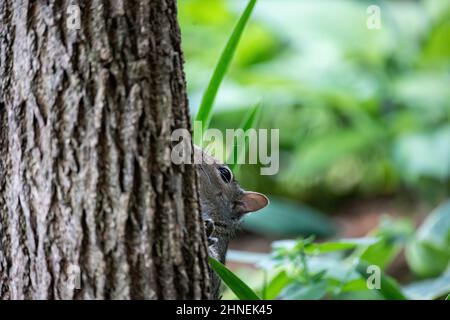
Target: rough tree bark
[{"x": 86, "y": 179}]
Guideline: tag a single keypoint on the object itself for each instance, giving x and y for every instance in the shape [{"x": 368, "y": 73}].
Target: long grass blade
[
  {"x": 205, "y": 111},
  {"x": 240, "y": 289}
]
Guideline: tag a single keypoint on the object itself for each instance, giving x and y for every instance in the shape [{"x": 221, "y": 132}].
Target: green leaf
[
  {"x": 436, "y": 228},
  {"x": 392, "y": 235},
  {"x": 425, "y": 260},
  {"x": 249, "y": 122},
  {"x": 277, "y": 284},
  {"x": 381, "y": 253},
  {"x": 389, "y": 288},
  {"x": 337, "y": 271},
  {"x": 339, "y": 245},
  {"x": 428, "y": 254},
  {"x": 286, "y": 218},
  {"x": 419, "y": 89},
  {"x": 327, "y": 247},
  {"x": 355, "y": 285},
  {"x": 429, "y": 289},
  {"x": 300, "y": 291},
  {"x": 205, "y": 111},
  {"x": 437, "y": 50},
  {"x": 416, "y": 154},
  {"x": 448, "y": 297},
  {"x": 240, "y": 289}
]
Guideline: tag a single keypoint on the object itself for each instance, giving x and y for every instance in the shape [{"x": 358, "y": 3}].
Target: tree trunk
[{"x": 91, "y": 207}]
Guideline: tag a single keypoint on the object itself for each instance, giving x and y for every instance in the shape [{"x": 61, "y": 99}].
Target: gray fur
[{"x": 221, "y": 202}]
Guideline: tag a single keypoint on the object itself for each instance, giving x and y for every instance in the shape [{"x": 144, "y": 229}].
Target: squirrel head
[{"x": 222, "y": 199}]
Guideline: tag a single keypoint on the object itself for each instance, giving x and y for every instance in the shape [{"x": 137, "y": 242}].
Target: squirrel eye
[{"x": 225, "y": 174}]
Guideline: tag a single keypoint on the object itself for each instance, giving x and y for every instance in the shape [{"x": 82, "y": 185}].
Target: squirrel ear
[{"x": 251, "y": 202}]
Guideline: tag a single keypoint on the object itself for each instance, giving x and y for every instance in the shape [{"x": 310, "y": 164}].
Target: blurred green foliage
[
  {"x": 347, "y": 268},
  {"x": 360, "y": 112},
  {"x": 429, "y": 253}
]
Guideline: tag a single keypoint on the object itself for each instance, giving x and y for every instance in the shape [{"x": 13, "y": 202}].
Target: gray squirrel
[{"x": 223, "y": 204}]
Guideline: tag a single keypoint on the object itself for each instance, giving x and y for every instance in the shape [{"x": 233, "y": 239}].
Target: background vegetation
[{"x": 365, "y": 141}]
